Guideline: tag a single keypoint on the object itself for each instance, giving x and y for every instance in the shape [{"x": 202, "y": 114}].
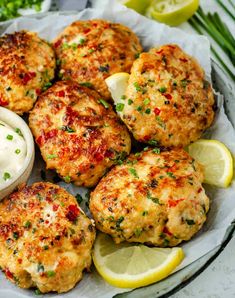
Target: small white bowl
[{"x": 22, "y": 176}]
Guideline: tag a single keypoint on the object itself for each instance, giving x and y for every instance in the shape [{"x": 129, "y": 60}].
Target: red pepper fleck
[
  {"x": 72, "y": 213},
  {"x": 166, "y": 231},
  {"x": 174, "y": 203},
  {"x": 199, "y": 190},
  {"x": 28, "y": 76},
  {"x": 41, "y": 140},
  {"x": 159, "y": 52},
  {"x": 157, "y": 111},
  {"x": 38, "y": 91},
  {"x": 183, "y": 59},
  {"x": 3, "y": 102},
  {"x": 47, "y": 222},
  {"x": 61, "y": 93},
  {"x": 58, "y": 43},
  {"x": 147, "y": 138},
  {"x": 19, "y": 261},
  {"x": 87, "y": 30},
  {"x": 55, "y": 207},
  {"x": 168, "y": 96},
  {"x": 171, "y": 47},
  {"x": 8, "y": 274}
]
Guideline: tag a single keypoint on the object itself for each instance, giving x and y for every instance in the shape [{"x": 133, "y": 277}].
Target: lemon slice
[
  {"x": 172, "y": 12},
  {"x": 117, "y": 84},
  {"x": 129, "y": 265},
  {"x": 216, "y": 159},
  {"x": 138, "y": 5}
]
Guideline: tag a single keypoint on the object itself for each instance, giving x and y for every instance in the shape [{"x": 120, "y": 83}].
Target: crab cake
[
  {"x": 27, "y": 65},
  {"x": 154, "y": 198},
  {"x": 169, "y": 102},
  {"x": 90, "y": 51},
  {"x": 46, "y": 239},
  {"x": 78, "y": 133}
]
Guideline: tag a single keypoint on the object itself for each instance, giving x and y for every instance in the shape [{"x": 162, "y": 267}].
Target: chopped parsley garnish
[
  {"x": 120, "y": 107},
  {"x": 119, "y": 221},
  {"x": 190, "y": 222},
  {"x": 154, "y": 200},
  {"x": 146, "y": 101},
  {"x": 162, "y": 89},
  {"x": 104, "y": 103},
  {"x": 171, "y": 175},
  {"x": 51, "y": 156},
  {"x": 17, "y": 151},
  {"x": 137, "y": 86},
  {"x": 175, "y": 83},
  {"x": 37, "y": 292},
  {"x": 123, "y": 97},
  {"x": 8, "y": 88},
  {"x": 45, "y": 247},
  {"x": 15, "y": 235},
  {"x": 138, "y": 232},
  {"x": 153, "y": 142},
  {"x": 50, "y": 273},
  {"x": 46, "y": 86},
  {"x": 67, "y": 179},
  {"x": 86, "y": 84},
  {"x": 156, "y": 150},
  {"x": 81, "y": 41},
  {"x": 27, "y": 224},
  {"x": 145, "y": 213},
  {"x": 17, "y": 130},
  {"x": 67, "y": 128},
  {"x": 133, "y": 172},
  {"x": 148, "y": 111},
  {"x": 6, "y": 176},
  {"x": 130, "y": 101},
  {"x": 139, "y": 108},
  {"x": 137, "y": 55},
  {"x": 10, "y": 137},
  {"x": 104, "y": 68},
  {"x": 79, "y": 198}
]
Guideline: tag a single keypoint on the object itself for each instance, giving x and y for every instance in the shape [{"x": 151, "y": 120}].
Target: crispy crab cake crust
[
  {"x": 90, "y": 51},
  {"x": 168, "y": 99},
  {"x": 152, "y": 198},
  {"x": 78, "y": 136},
  {"x": 46, "y": 238},
  {"x": 27, "y": 64}
]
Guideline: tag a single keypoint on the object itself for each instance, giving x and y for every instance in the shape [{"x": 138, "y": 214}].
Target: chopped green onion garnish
[{"x": 10, "y": 137}]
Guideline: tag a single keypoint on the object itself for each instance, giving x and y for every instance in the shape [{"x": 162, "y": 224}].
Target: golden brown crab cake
[
  {"x": 168, "y": 99},
  {"x": 78, "y": 133},
  {"x": 155, "y": 198},
  {"x": 90, "y": 51},
  {"x": 46, "y": 239},
  {"x": 27, "y": 65}
]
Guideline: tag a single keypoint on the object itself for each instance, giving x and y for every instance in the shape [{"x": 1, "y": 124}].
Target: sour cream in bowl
[{"x": 16, "y": 151}]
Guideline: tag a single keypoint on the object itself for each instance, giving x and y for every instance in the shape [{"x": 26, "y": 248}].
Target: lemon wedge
[
  {"x": 129, "y": 265},
  {"x": 117, "y": 84},
  {"x": 138, "y": 5},
  {"x": 216, "y": 160},
  {"x": 172, "y": 12}
]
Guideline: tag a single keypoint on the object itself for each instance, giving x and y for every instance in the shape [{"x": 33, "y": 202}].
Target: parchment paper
[{"x": 222, "y": 211}]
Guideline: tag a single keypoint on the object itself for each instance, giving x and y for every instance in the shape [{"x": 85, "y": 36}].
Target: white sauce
[{"x": 12, "y": 152}]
